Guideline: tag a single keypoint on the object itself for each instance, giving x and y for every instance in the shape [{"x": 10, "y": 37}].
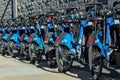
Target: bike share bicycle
[
  {"x": 36, "y": 44},
  {"x": 50, "y": 36},
  {"x": 65, "y": 44},
  {"x": 114, "y": 60},
  {"x": 24, "y": 40},
  {"x": 14, "y": 42},
  {"x": 66, "y": 47},
  {"x": 99, "y": 42},
  {"x": 5, "y": 37}
]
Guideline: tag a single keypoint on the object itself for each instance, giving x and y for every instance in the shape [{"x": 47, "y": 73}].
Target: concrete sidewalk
[{"x": 12, "y": 69}]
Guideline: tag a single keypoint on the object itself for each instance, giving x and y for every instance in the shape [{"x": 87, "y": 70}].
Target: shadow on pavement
[
  {"x": 82, "y": 72},
  {"x": 113, "y": 75},
  {"x": 43, "y": 65},
  {"x": 79, "y": 72}
]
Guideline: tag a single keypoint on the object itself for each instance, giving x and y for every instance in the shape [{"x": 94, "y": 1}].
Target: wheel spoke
[
  {"x": 96, "y": 66},
  {"x": 64, "y": 59}
]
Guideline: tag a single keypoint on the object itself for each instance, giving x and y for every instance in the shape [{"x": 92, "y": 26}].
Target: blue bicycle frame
[
  {"x": 5, "y": 34},
  {"x": 38, "y": 38},
  {"x": 109, "y": 23},
  {"x": 83, "y": 25},
  {"x": 15, "y": 36},
  {"x": 26, "y": 34},
  {"x": 104, "y": 46},
  {"x": 53, "y": 36},
  {"x": 67, "y": 40}
]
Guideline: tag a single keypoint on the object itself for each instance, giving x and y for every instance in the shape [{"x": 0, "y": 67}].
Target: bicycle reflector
[
  {"x": 30, "y": 38},
  {"x": 66, "y": 23},
  {"x": 46, "y": 38},
  {"x": 9, "y": 37},
  {"x": 49, "y": 17},
  {"x": 95, "y": 21},
  {"x": 21, "y": 38},
  {"x": 15, "y": 27},
  {"x": 1, "y": 36},
  {"x": 90, "y": 40},
  {"x": 57, "y": 40},
  {"x": 35, "y": 19}
]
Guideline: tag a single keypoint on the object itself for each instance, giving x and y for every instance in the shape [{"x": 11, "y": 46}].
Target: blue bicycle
[
  {"x": 99, "y": 42},
  {"x": 65, "y": 44},
  {"x": 36, "y": 44},
  {"x": 5, "y": 38},
  {"x": 50, "y": 36},
  {"x": 14, "y": 42},
  {"x": 24, "y": 40},
  {"x": 66, "y": 47}
]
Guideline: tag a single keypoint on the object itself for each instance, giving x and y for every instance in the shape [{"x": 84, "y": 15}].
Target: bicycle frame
[
  {"x": 66, "y": 39},
  {"x": 37, "y": 38},
  {"x": 83, "y": 24},
  {"x": 15, "y": 36},
  {"x": 103, "y": 46},
  {"x": 109, "y": 23},
  {"x": 50, "y": 38},
  {"x": 6, "y": 36}
]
